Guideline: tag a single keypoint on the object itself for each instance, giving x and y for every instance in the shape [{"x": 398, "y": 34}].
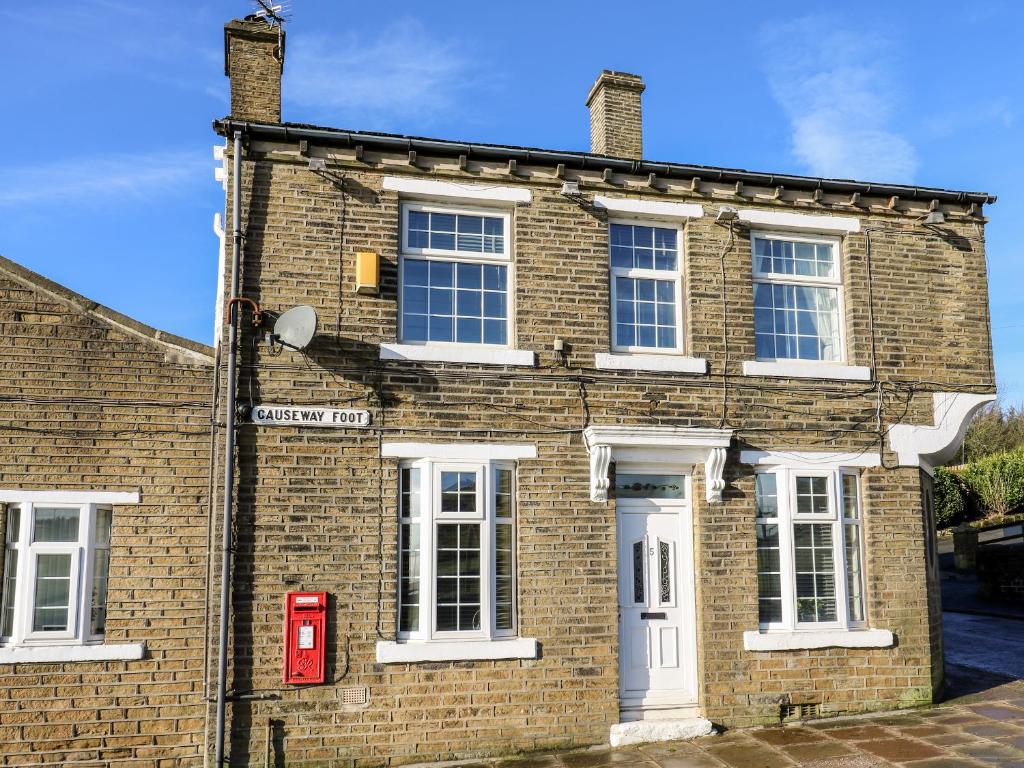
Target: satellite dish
[{"x": 295, "y": 328}]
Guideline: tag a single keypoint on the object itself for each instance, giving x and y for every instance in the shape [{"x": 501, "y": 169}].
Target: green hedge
[
  {"x": 997, "y": 481},
  {"x": 950, "y": 504}
]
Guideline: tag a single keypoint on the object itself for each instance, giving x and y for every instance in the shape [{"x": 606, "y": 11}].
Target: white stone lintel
[
  {"x": 390, "y": 652},
  {"x": 800, "y": 222},
  {"x": 660, "y": 209},
  {"x": 804, "y": 639},
  {"x": 14, "y": 495},
  {"x": 431, "y": 188},
  {"x": 460, "y": 451}
]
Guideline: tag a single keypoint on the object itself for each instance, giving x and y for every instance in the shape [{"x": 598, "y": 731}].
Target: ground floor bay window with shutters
[
  {"x": 809, "y": 529},
  {"x": 56, "y": 563},
  {"x": 456, "y": 561}
]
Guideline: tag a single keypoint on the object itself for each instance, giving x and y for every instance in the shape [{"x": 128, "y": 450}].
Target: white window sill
[
  {"x": 58, "y": 654},
  {"x": 389, "y": 652},
  {"x": 785, "y": 640},
  {"x": 626, "y": 361},
  {"x": 798, "y": 369},
  {"x": 456, "y": 354}
]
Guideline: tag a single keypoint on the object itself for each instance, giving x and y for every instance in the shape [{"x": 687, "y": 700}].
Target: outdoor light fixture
[
  {"x": 934, "y": 217},
  {"x": 317, "y": 164},
  {"x": 727, "y": 213},
  {"x": 570, "y": 188}
]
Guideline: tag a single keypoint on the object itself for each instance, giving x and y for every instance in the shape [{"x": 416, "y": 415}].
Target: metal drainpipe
[{"x": 229, "y": 448}]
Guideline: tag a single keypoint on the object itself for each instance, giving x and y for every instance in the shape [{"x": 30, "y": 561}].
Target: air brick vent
[
  {"x": 355, "y": 695},
  {"x": 789, "y": 712}
]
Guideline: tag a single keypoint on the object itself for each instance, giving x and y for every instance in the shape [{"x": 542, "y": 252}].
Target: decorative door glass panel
[
  {"x": 638, "y": 572},
  {"x": 637, "y": 486}
]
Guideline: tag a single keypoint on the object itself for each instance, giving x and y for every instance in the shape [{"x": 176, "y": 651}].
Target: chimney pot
[
  {"x": 616, "y": 127},
  {"x": 254, "y": 61}
]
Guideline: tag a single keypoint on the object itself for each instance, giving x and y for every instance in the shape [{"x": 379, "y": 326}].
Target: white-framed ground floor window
[
  {"x": 56, "y": 564},
  {"x": 457, "y": 549},
  {"x": 809, "y": 549}
]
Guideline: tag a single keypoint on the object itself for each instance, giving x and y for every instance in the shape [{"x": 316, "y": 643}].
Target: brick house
[
  {"x": 104, "y": 494},
  {"x": 649, "y": 444}
]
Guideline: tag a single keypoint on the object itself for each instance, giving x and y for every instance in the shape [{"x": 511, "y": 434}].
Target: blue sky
[{"x": 107, "y": 179}]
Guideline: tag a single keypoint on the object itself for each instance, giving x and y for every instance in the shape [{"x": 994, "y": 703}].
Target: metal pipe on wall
[{"x": 229, "y": 448}]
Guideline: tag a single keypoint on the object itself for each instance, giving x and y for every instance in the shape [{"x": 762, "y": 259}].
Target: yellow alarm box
[{"x": 367, "y": 272}]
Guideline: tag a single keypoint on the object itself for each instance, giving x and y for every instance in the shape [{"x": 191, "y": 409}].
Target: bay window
[
  {"x": 809, "y": 549},
  {"x": 56, "y": 562},
  {"x": 456, "y": 550}
]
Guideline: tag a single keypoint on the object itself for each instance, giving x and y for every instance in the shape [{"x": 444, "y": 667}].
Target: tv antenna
[{"x": 272, "y": 13}]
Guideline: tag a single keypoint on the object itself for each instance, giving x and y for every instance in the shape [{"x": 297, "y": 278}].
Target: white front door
[{"x": 657, "y": 627}]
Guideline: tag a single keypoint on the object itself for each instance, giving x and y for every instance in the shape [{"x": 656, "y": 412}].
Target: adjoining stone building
[
  {"x": 647, "y": 442},
  {"x": 104, "y": 507}
]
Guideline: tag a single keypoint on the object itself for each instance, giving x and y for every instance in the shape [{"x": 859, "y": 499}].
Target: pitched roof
[{"x": 185, "y": 349}]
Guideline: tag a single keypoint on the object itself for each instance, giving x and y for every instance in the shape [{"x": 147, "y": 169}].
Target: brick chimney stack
[
  {"x": 615, "y": 123},
  {"x": 254, "y": 61}
]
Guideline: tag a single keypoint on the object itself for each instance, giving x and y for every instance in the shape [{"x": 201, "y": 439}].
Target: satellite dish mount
[{"x": 294, "y": 329}]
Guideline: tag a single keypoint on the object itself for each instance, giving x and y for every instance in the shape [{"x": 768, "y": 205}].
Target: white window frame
[
  {"x": 835, "y": 282},
  {"x": 787, "y": 516},
  {"x": 675, "y": 275},
  {"x": 79, "y": 631},
  {"x": 429, "y": 517},
  {"x": 504, "y": 258}
]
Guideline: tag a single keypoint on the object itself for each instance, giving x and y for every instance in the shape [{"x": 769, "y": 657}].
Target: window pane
[
  {"x": 815, "y": 577},
  {"x": 637, "y": 486},
  {"x": 103, "y": 525},
  {"x": 458, "y": 492},
  {"x": 453, "y": 301},
  {"x": 794, "y": 258},
  {"x": 13, "y": 524},
  {"x": 640, "y": 247},
  {"x": 797, "y": 322},
  {"x": 100, "y": 569},
  {"x": 52, "y": 524},
  {"x": 769, "y": 579},
  {"x": 638, "y": 572},
  {"x": 409, "y": 578},
  {"x": 52, "y": 593},
  {"x": 503, "y": 575},
  {"x": 645, "y": 312},
  {"x": 851, "y": 500},
  {"x": 766, "y": 495},
  {"x": 409, "y": 491},
  {"x": 854, "y": 579},
  {"x": 456, "y": 232},
  {"x": 812, "y": 495},
  {"x": 458, "y": 582},
  {"x": 10, "y": 586},
  {"x": 503, "y": 492}
]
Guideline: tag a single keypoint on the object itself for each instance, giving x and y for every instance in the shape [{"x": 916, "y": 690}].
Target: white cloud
[
  {"x": 404, "y": 72},
  {"x": 837, "y": 92},
  {"x": 98, "y": 179}
]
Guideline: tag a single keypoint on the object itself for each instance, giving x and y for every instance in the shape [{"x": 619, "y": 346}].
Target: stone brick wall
[
  {"x": 254, "y": 60},
  {"x": 96, "y": 401},
  {"x": 317, "y": 508},
  {"x": 616, "y": 127}
]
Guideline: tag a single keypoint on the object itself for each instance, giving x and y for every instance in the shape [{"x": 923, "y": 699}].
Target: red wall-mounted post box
[{"x": 305, "y": 632}]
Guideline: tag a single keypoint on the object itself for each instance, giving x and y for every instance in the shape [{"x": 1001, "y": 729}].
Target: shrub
[
  {"x": 997, "y": 481},
  {"x": 950, "y": 506}
]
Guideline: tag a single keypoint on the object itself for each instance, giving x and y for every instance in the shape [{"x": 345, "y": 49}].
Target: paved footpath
[{"x": 983, "y": 729}]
